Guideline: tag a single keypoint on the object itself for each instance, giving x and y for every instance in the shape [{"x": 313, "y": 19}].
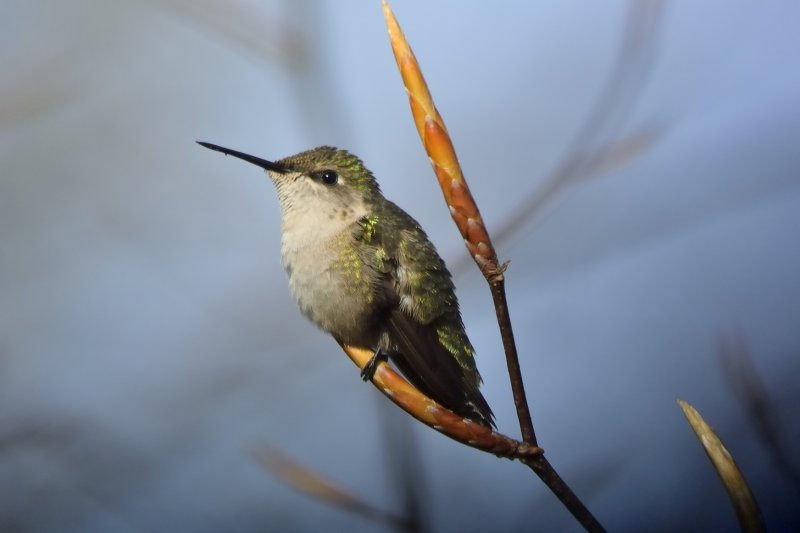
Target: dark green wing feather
[{"x": 426, "y": 338}]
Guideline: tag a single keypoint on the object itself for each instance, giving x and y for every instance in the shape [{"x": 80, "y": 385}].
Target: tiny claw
[{"x": 368, "y": 372}]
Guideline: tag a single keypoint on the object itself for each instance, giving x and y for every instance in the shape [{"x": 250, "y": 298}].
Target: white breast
[{"x": 328, "y": 282}]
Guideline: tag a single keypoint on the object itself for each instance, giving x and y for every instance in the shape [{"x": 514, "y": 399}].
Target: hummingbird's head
[
  {"x": 327, "y": 172},
  {"x": 322, "y": 182}
]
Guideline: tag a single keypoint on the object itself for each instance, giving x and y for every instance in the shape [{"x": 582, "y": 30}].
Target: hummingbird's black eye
[{"x": 328, "y": 177}]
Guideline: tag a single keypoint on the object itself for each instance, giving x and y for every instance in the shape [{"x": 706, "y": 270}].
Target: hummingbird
[{"x": 364, "y": 271}]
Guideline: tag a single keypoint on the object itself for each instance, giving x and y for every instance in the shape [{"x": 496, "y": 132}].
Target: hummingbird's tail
[{"x": 433, "y": 369}]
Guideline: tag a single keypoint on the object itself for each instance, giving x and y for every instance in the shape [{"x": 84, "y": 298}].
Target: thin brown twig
[
  {"x": 466, "y": 215},
  {"x": 475, "y": 435},
  {"x": 497, "y": 286}
]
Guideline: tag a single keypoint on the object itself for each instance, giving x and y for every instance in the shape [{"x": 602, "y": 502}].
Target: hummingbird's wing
[{"x": 427, "y": 341}]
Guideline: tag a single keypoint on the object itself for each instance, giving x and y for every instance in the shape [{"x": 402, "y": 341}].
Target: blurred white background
[{"x": 645, "y": 151}]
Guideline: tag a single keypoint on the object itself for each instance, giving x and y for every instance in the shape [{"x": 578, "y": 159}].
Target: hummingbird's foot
[{"x": 368, "y": 372}]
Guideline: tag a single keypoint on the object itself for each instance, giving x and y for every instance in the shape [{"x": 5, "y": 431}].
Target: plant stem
[{"x": 497, "y": 286}]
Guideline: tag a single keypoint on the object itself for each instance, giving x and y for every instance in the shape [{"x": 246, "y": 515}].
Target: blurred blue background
[{"x": 636, "y": 160}]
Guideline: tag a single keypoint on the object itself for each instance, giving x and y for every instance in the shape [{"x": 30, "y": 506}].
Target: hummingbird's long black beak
[{"x": 263, "y": 163}]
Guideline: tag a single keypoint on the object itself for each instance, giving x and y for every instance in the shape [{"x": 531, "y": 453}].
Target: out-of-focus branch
[
  {"x": 598, "y": 146},
  {"x": 293, "y": 39},
  {"x": 273, "y": 39},
  {"x": 405, "y": 466},
  {"x": 749, "y": 389},
  {"x": 576, "y": 168},
  {"x": 313, "y": 484},
  {"x": 741, "y": 497}
]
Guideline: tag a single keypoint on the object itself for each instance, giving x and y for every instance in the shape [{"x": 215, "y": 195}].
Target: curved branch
[{"x": 443, "y": 420}]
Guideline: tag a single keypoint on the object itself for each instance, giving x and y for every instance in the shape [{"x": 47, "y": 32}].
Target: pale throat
[{"x": 316, "y": 222}]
